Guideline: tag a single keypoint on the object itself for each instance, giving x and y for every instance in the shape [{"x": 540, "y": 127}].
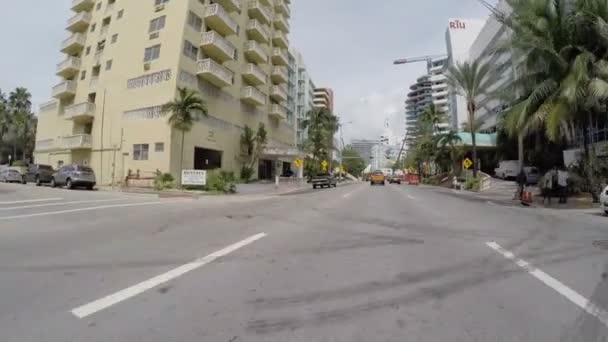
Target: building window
[
  {"x": 98, "y": 6},
  {"x": 83, "y": 75},
  {"x": 120, "y": 14},
  {"x": 160, "y": 2},
  {"x": 140, "y": 151},
  {"x": 87, "y": 51},
  {"x": 159, "y": 147},
  {"x": 109, "y": 65},
  {"x": 157, "y": 24},
  {"x": 152, "y": 53},
  {"x": 195, "y": 21},
  {"x": 190, "y": 50},
  {"x": 93, "y": 27},
  {"x": 114, "y": 38}
]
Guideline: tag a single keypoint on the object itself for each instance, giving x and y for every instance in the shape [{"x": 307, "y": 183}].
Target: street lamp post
[{"x": 342, "y": 149}]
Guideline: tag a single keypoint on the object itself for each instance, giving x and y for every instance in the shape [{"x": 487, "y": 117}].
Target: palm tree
[
  {"x": 451, "y": 139},
  {"x": 4, "y": 116},
  {"x": 470, "y": 80},
  {"x": 20, "y": 107},
  {"x": 253, "y": 143},
  {"x": 322, "y": 125},
  {"x": 186, "y": 109},
  {"x": 434, "y": 117}
]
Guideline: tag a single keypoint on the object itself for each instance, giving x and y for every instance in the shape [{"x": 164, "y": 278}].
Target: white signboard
[{"x": 194, "y": 177}]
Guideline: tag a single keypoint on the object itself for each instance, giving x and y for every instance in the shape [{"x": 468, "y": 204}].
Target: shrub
[
  {"x": 163, "y": 181},
  {"x": 246, "y": 173},
  {"x": 19, "y": 163},
  {"x": 221, "y": 181},
  {"x": 473, "y": 184}
]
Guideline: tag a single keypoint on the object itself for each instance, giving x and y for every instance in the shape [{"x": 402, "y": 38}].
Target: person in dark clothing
[{"x": 521, "y": 182}]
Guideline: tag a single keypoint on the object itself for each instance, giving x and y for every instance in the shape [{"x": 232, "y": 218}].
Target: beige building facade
[{"x": 125, "y": 59}]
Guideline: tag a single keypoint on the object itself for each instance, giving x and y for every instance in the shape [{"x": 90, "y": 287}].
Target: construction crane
[{"x": 428, "y": 59}]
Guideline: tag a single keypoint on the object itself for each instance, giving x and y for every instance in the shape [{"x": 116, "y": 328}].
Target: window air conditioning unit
[
  {"x": 154, "y": 35},
  {"x": 147, "y": 66},
  {"x": 159, "y": 8}
]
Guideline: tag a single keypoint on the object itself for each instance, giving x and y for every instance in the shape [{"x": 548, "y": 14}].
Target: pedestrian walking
[
  {"x": 562, "y": 184},
  {"x": 547, "y": 186}
]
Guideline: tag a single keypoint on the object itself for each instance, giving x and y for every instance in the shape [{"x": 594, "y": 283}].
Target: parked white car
[
  {"x": 604, "y": 200},
  {"x": 507, "y": 169}
]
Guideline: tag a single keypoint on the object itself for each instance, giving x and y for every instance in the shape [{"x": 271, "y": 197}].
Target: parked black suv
[{"x": 39, "y": 173}]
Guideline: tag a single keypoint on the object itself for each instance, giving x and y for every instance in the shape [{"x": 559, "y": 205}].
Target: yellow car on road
[{"x": 377, "y": 177}]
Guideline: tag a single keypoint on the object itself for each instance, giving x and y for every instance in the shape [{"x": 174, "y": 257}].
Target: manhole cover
[{"x": 603, "y": 244}]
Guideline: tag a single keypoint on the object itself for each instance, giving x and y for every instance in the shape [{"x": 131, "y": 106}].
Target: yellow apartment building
[{"x": 125, "y": 58}]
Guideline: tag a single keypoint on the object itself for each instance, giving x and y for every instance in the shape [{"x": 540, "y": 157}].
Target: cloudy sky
[{"x": 348, "y": 45}]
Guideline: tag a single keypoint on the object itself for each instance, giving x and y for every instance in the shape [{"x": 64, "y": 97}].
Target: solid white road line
[
  {"x": 570, "y": 294},
  {"x": 33, "y": 200},
  {"x": 80, "y": 209},
  {"x": 64, "y": 203},
  {"x": 411, "y": 197},
  {"x": 115, "y": 298}
]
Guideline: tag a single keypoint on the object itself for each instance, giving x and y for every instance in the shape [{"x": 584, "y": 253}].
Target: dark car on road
[
  {"x": 74, "y": 176},
  {"x": 39, "y": 173},
  {"x": 324, "y": 180}
]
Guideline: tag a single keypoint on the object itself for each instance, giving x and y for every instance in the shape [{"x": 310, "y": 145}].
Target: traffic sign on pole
[{"x": 467, "y": 163}]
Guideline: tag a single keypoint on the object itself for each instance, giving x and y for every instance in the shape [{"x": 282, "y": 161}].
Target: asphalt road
[{"x": 356, "y": 263}]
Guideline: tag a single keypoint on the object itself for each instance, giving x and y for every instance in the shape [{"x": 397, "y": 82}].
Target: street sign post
[{"x": 467, "y": 163}]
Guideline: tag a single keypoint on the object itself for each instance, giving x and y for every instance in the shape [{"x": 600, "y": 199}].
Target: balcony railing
[
  {"x": 253, "y": 96},
  {"x": 254, "y": 52},
  {"x": 64, "y": 89},
  {"x": 215, "y": 73},
  {"x": 73, "y": 44},
  {"x": 77, "y": 141},
  {"x": 278, "y": 112},
  {"x": 254, "y": 74},
  {"x": 45, "y": 145},
  {"x": 82, "y": 5},
  {"x": 280, "y": 74},
  {"x": 278, "y": 93},
  {"x": 69, "y": 67},
  {"x": 79, "y": 22},
  {"x": 281, "y": 7},
  {"x": 80, "y": 111},
  {"x": 281, "y": 23},
  {"x": 280, "y": 39},
  {"x": 258, "y": 11},
  {"x": 231, "y": 5},
  {"x": 218, "y": 47},
  {"x": 279, "y": 57},
  {"x": 218, "y": 19},
  {"x": 257, "y": 31}
]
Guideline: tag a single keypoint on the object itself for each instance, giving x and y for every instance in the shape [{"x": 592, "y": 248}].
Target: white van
[{"x": 507, "y": 169}]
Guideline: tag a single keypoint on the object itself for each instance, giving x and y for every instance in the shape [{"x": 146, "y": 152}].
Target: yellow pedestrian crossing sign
[
  {"x": 298, "y": 162},
  {"x": 467, "y": 163},
  {"x": 324, "y": 165}
]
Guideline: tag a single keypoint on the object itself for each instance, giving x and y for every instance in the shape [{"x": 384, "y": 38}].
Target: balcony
[
  {"x": 254, "y": 74},
  {"x": 278, "y": 93},
  {"x": 279, "y": 74},
  {"x": 69, "y": 67},
  {"x": 64, "y": 90},
  {"x": 260, "y": 12},
  {"x": 215, "y": 73},
  {"x": 218, "y": 19},
  {"x": 77, "y": 142},
  {"x": 266, "y": 3},
  {"x": 80, "y": 112},
  {"x": 74, "y": 44},
  {"x": 281, "y": 7},
  {"x": 82, "y": 5},
  {"x": 231, "y": 5},
  {"x": 254, "y": 52},
  {"x": 45, "y": 145},
  {"x": 253, "y": 96},
  {"x": 257, "y": 31},
  {"x": 280, "y": 39},
  {"x": 278, "y": 112},
  {"x": 281, "y": 23},
  {"x": 279, "y": 57},
  {"x": 79, "y": 22},
  {"x": 217, "y": 47}
]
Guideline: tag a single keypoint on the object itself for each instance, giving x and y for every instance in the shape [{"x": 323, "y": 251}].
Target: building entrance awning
[
  {"x": 482, "y": 140},
  {"x": 282, "y": 153}
]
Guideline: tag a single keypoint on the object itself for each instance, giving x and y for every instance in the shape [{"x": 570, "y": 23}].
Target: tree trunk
[
  {"x": 474, "y": 142},
  {"x": 181, "y": 159},
  {"x": 520, "y": 150}
]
